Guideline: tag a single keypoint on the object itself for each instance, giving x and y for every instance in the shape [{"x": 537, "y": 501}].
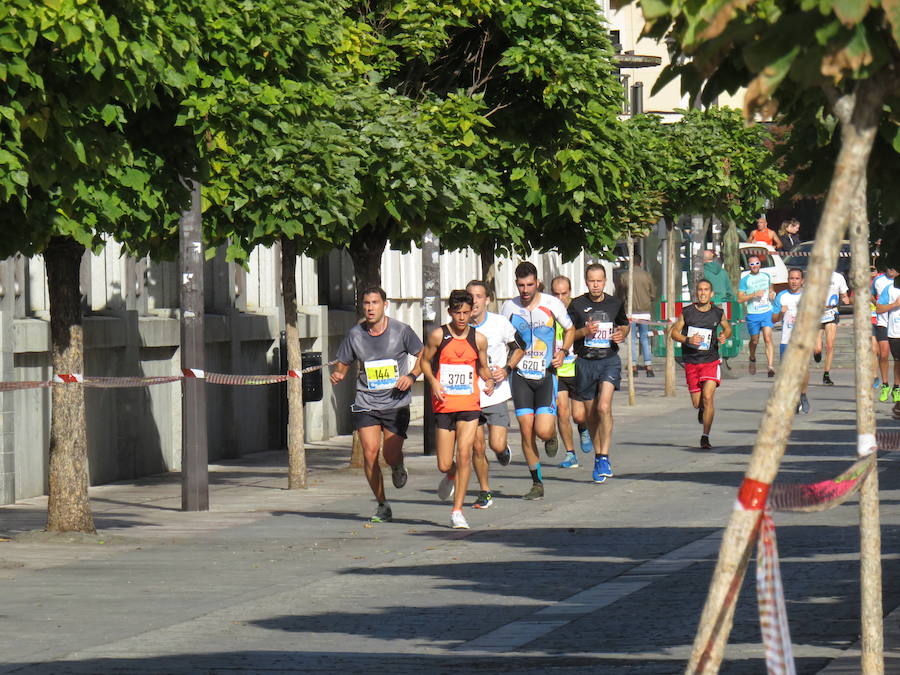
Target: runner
[
  {"x": 883, "y": 278},
  {"x": 380, "y": 410},
  {"x": 535, "y": 315},
  {"x": 889, "y": 304},
  {"x": 837, "y": 290},
  {"x": 696, "y": 329},
  {"x": 453, "y": 354},
  {"x": 503, "y": 354},
  {"x": 756, "y": 290},
  {"x": 600, "y": 325},
  {"x": 787, "y": 303}
]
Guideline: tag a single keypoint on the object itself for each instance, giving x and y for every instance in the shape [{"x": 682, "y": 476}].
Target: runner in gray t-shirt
[{"x": 383, "y": 390}]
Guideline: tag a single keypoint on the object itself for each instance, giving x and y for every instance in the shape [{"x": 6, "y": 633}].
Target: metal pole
[
  {"x": 431, "y": 304},
  {"x": 194, "y": 453}
]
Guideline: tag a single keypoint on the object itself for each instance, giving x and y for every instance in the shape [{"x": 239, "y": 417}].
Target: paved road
[{"x": 595, "y": 578}]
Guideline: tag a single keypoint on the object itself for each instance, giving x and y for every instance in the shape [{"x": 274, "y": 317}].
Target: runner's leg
[
  {"x": 465, "y": 437},
  {"x": 708, "y": 392},
  {"x": 770, "y": 350},
  {"x": 601, "y": 408},
  {"x": 445, "y": 440},
  {"x": 564, "y": 419},
  {"x": 370, "y": 439},
  {"x": 830, "y": 331},
  {"x": 479, "y": 461}
]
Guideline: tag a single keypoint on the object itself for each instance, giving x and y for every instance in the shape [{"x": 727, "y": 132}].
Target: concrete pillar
[
  {"x": 7, "y": 374},
  {"x": 320, "y": 421}
]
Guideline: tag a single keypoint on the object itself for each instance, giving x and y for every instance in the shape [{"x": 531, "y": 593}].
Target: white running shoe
[
  {"x": 447, "y": 487},
  {"x": 458, "y": 521}
]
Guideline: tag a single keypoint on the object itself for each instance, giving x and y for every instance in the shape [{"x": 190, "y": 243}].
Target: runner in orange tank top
[{"x": 455, "y": 355}]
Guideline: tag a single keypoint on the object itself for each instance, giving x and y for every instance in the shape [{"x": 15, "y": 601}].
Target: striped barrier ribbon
[
  {"x": 137, "y": 381},
  {"x": 773, "y": 622}
]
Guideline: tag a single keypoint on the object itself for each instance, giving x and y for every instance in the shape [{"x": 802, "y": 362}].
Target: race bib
[
  {"x": 705, "y": 337},
  {"x": 532, "y": 366},
  {"x": 382, "y": 374},
  {"x": 457, "y": 379},
  {"x": 601, "y": 339}
]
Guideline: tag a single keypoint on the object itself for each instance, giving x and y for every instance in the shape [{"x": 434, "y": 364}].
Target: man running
[
  {"x": 600, "y": 325},
  {"x": 787, "y": 303},
  {"x": 503, "y": 354},
  {"x": 535, "y": 315},
  {"x": 380, "y": 411},
  {"x": 697, "y": 329},
  {"x": 756, "y": 290},
  {"x": 567, "y": 407},
  {"x": 837, "y": 290},
  {"x": 883, "y": 278},
  {"x": 455, "y": 355},
  {"x": 889, "y": 304}
]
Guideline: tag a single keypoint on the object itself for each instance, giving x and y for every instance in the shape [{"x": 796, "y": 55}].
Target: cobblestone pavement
[{"x": 594, "y": 578}]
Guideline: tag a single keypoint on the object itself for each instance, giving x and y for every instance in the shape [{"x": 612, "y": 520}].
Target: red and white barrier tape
[
  {"x": 773, "y": 622},
  {"x": 137, "y": 381}
]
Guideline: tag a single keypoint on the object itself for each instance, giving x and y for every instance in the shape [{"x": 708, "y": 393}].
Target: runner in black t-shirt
[
  {"x": 600, "y": 325},
  {"x": 696, "y": 329}
]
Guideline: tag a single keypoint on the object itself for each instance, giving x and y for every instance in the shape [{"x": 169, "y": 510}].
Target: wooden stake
[
  {"x": 872, "y": 629},
  {"x": 857, "y": 135}
]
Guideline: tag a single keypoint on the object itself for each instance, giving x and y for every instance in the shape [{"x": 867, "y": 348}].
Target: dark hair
[
  {"x": 478, "y": 282},
  {"x": 752, "y": 256},
  {"x": 526, "y": 269},
  {"x": 797, "y": 269},
  {"x": 458, "y": 298},
  {"x": 368, "y": 290},
  {"x": 594, "y": 266},
  {"x": 881, "y": 264},
  {"x": 704, "y": 280}
]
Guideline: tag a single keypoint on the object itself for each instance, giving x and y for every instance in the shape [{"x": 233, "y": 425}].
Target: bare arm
[
  {"x": 424, "y": 365},
  {"x": 484, "y": 370},
  {"x": 676, "y": 332},
  {"x": 726, "y": 330},
  {"x": 409, "y": 379},
  {"x": 340, "y": 370}
]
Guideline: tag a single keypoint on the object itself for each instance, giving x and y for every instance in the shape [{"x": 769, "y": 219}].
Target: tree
[
  {"x": 788, "y": 55},
  {"x": 76, "y": 166},
  {"x": 529, "y": 115}
]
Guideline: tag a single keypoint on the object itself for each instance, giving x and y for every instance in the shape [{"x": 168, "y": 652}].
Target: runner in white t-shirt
[
  {"x": 881, "y": 279},
  {"x": 837, "y": 292},
  {"x": 785, "y": 309},
  {"x": 503, "y": 355},
  {"x": 889, "y": 303}
]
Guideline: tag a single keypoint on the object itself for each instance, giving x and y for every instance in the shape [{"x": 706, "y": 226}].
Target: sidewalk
[{"x": 606, "y": 578}]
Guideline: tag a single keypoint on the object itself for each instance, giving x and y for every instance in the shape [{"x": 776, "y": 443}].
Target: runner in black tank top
[{"x": 697, "y": 329}]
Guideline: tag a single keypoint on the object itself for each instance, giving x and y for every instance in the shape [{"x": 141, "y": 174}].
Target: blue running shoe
[
  {"x": 876, "y": 384},
  {"x": 570, "y": 462},
  {"x": 602, "y": 469},
  {"x": 587, "y": 444}
]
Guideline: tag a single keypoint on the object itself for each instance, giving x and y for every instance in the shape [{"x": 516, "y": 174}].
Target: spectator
[
  {"x": 763, "y": 234},
  {"x": 788, "y": 233},
  {"x": 718, "y": 277},
  {"x": 644, "y": 293}
]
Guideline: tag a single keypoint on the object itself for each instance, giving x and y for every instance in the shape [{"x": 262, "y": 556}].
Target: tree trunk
[
  {"x": 295, "y": 434},
  {"x": 872, "y": 629},
  {"x": 699, "y": 225},
  {"x": 68, "y": 508},
  {"x": 857, "y": 135},
  {"x": 673, "y": 272},
  {"x": 489, "y": 273},
  {"x": 730, "y": 254},
  {"x": 629, "y": 311},
  {"x": 366, "y": 250}
]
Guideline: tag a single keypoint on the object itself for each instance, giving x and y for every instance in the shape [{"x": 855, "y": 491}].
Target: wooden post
[
  {"x": 858, "y": 130},
  {"x": 871, "y": 613},
  {"x": 194, "y": 450},
  {"x": 673, "y": 272},
  {"x": 628, "y": 311},
  {"x": 431, "y": 312}
]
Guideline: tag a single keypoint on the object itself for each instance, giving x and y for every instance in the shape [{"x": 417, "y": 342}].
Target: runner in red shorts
[{"x": 697, "y": 329}]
